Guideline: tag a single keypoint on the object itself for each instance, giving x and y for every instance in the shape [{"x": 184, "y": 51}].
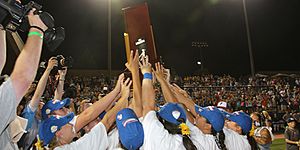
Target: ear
[
  {"x": 239, "y": 129},
  {"x": 209, "y": 127},
  {"x": 58, "y": 133}
]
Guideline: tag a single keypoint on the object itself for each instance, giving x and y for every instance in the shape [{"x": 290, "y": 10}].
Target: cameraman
[{"x": 25, "y": 69}]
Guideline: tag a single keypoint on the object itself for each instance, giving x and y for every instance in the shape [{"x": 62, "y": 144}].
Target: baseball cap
[
  {"x": 213, "y": 115},
  {"x": 291, "y": 119},
  {"x": 242, "y": 119},
  {"x": 130, "y": 129},
  {"x": 171, "y": 112},
  {"x": 222, "y": 104},
  {"x": 51, "y": 125},
  {"x": 52, "y": 105}
]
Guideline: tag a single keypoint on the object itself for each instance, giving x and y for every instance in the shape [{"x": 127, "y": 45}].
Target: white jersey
[
  {"x": 201, "y": 140},
  {"x": 157, "y": 137},
  {"x": 96, "y": 139},
  {"x": 235, "y": 141},
  {"x": 113, "y": 139}
]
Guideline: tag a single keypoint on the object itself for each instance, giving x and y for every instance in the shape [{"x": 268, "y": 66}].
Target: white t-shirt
[
  {"x": 157, "y": 137},
  {"x": 96, "y": 139},
  {"x": 235, "y": 141},
  {"x": 113, "y": 139},
  {"x": 201, "y": 140}
]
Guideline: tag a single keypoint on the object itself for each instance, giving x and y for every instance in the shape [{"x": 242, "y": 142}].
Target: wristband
[
  {"x": 35, "y": 33},
  {"x": 148, "y": 76}
]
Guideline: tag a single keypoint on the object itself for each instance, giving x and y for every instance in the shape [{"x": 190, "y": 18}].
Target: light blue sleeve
[{"x": 29, "y": 115}]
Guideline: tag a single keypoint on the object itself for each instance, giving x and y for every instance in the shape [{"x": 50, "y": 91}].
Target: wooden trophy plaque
[{"x": 139, "y": 34}]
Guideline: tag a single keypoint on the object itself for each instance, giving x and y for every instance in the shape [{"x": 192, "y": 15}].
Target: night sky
[{"x": 274, "y": 27}]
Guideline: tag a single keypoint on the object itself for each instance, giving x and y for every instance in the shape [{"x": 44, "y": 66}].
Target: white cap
[{"x": 222, "y": 104}]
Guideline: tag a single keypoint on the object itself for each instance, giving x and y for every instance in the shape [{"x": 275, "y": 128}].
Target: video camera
[{"x": 13, "y": 17}]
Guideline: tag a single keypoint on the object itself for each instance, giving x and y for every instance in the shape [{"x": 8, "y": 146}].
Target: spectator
[{"x": 292, "y": 135}]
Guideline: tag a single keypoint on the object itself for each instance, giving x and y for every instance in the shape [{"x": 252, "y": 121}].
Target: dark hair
[
  {"x": 251, "y": 141},
  {"x": 174, "y": 129},
  {"x": 219, "y": 137}
]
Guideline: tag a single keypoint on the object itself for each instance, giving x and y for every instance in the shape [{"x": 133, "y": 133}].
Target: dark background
[{"x": 274, "y": 27}]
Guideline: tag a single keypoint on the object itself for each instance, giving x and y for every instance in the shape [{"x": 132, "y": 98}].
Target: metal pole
[
  {"x": 249, "y": 39},
  {"x": 109, "y": 38}
]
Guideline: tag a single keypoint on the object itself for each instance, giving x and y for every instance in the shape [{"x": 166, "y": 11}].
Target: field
[{"x": 278, "y": 144}]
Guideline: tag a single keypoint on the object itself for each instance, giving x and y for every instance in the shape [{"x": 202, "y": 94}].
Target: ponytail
[
  {"x": 188, "y": 144},
  {"x": 219, "y": 139},
  {"x": 252, "y": 142},
  {"x": 179, "y": 129}
]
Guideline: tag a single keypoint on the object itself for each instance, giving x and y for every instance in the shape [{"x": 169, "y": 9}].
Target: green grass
[{"x": 278, "y": 144}]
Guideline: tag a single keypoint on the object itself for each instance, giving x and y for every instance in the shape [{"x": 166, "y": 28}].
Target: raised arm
[
  {"x": 148, "y": 93},
  {"x": 59, "y": 91},
  {"x": 34, "y": 103},
  {"x": 110, "y": 116},
  {"x": 2, "y": 48},
  {"x": 27, "y": 63},
  {"x": 133, "y": 67},
  {"x": 98, "y": 107},
  {"x": 183, "y": 99},
  {"x": 165, "y": 85}
]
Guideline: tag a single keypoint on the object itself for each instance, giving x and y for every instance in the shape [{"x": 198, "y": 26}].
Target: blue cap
[
  {"x": 171, "y": 112},
  {"x": 130, "y": 129},
  {"x": 242, "y": 119},
  {"x": 51, "y": 125},
  {"x": 213, "y": 115},
  {"x": 52, "y": 105}
]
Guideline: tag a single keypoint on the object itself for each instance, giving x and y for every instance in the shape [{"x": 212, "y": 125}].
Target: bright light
[{"x": 198, "y": 62}]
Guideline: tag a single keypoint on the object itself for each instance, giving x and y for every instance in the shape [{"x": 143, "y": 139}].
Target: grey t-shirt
[
  {"x": 8, "y": 109},
  {"x": 293, "y": 135}
]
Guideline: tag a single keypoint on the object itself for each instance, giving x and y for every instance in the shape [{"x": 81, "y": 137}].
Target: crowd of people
[{"x": 157, "y": 112}]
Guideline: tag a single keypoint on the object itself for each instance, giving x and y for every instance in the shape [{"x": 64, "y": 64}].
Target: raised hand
[
  {"x": 133, "y": 64},
  {"x": 145, "y": 65},
  {"x": 119, "y": 82},
  {"x": 35, "y": 20},
  {"x": 180, "y": 90},
  {"x": 126, "y": 88},
  {"x": 51, "y": 63},
  {"x": 62, "y": 73},
  {"x": 159, "y": 72}
]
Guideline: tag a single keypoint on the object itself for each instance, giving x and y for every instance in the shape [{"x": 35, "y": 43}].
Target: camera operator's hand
[
  {"x": 62, "y": 73},
  {"x": 35, "y": 20},
  {"x": 51, "y": 63}
]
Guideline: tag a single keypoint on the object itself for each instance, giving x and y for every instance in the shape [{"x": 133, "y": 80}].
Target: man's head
[{"x": 291, "y": 122}]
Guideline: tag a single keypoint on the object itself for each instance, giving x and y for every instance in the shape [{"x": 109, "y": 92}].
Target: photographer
[
  {"x": 32, "y": 111},
  {"x": 12, "y": 91}
]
